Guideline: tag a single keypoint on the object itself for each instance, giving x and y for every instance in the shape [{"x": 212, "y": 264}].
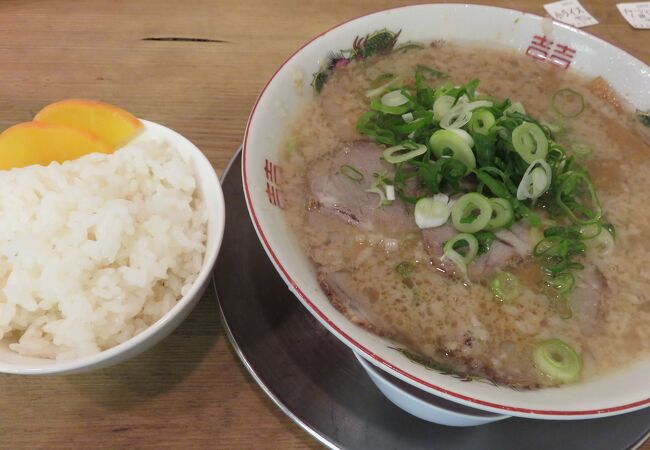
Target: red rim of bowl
[{"x": 349, "y": 339}]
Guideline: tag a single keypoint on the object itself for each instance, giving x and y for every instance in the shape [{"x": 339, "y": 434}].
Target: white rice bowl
[{"x": 93, "y": 251}]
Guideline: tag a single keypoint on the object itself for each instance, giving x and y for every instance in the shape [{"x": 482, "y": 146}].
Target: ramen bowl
[
  {"x": 423, "y": 405},
  {"x": 622, "y": 391}
]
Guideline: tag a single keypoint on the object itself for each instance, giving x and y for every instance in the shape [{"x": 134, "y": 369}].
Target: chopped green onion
[
  {"x": 556, "y": 155},
  {"x": 377, "y": 105},
  {"x": 547, "y": 246},
  {"x": 471, "y": 213},
  {"x": 582, "y": 151},
  {"x": 590, "y": 230},
  {"x": 382, "y": 195},
  {"x": 485, "y": 239},
  {"x": 478, "y": 104},
  {"x": 516, "y": 107},
  {"x": 441, "y": 106},
  {"x": 565, "y": 232},
  {"x": 603, "y": 243},
  {"x": 394, "y": 98},
  {"x": 351, "y": 172},
  {"x": 447, "y": 143},
  {"x": 502, "y": 214},
  {"x": 408, "y": 117},
  {"x": 432, "y": 212},
  {"x": 553, "y": 127},
  {"x": 481, "y": 122},
  {"x": 541, "y": 179},
  {"x": 457, "y": 259},
  {"x": 558, "y": 360},
  {"x": 556, "y": 250},
  {"x": 378, "y": 187},
  {"x": 568, "y": 103},
  {"x": 530, "y": 142},
  {"x": 536, "y": 180},
  {"x": 505, "y": 287},
  {"x": 403, "y": 152},
  {"x": 390, "y": 192},
  {"x": 498, "y": 188},
  {"x": 562, "y": 283},
  {"x": 443, "y": 89},
  {"x": 367, "y": 125},
  {"x": 381, "y": 84},
  {"x": 472, "y": 246},
  {"x": 464, "y": 135},
  {"x": 461, "y": 261},
  {"x": 434, "y": 174},
  {"x": 412, "y": 126},
  {"x": 456, "y": 117},
  {"x": 611, "y": 228},
  {"x": 577, "y": 184}
]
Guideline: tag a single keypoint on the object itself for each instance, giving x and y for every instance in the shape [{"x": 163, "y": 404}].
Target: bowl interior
[
  {"x": 626, "y": 390},
  {"x": 210, "y": 191}
]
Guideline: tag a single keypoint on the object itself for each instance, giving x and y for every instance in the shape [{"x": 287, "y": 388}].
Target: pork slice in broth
[
  {"x": 434, "y": 240},
  {"x": 510, "y": 247},
  {"x": 337, "y": 195},
  {"x": 345, "y": 295}
]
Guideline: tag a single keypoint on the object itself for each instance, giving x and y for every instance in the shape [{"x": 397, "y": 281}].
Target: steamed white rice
[{"x": 95, "y": 250}]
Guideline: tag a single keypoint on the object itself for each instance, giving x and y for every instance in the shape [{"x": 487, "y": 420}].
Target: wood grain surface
[{"x": 191, "y": 390}]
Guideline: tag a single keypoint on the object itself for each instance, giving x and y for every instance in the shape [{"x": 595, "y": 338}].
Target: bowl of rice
[{"x": 103, "y": 256}]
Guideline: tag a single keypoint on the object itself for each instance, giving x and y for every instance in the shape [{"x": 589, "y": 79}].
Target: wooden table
[{"x": 191, "y": 390}]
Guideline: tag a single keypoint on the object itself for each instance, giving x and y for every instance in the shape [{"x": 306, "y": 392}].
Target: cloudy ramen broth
[{"x": 507, "y": 316}]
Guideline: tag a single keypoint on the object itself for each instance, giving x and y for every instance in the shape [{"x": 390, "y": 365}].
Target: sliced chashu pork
[
  {"x": 356, "y": 305},
  {"x": 510, "y": 247},
  {"x": 336, "y": 195}
]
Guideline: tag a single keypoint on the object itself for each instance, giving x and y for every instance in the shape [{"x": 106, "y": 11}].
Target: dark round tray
[{"x": 317, "y": 382}]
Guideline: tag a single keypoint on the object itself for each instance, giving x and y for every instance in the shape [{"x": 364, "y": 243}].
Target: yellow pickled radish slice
[
  {"x": 110, "y": 123},
  {"x": 30, "y": 143}
]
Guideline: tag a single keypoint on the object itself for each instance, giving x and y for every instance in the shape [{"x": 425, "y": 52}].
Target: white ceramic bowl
[
  {"x": 624, "y": 391},
  {"x": 424, "y": 405},
  {"x": 210, "y": 189}
]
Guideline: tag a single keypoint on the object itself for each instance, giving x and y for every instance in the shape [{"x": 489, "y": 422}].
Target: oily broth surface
[{"x": 462, "y": 324}]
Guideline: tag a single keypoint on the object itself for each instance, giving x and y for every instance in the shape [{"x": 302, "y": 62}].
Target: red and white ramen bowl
[{"x": 623, "y": 391}]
